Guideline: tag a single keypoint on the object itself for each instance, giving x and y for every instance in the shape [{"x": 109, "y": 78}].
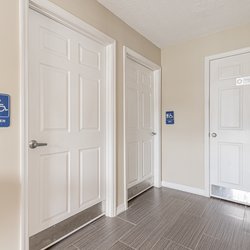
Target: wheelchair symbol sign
[
  {"x": 4, "y": 110},
  {"x": 170, "y": 117}
]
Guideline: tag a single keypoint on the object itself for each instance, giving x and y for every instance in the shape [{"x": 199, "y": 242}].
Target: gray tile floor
[{"x": 168, "y": 219}]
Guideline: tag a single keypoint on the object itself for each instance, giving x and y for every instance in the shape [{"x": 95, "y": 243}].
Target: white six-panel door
[
  {"x": 66, "y": 111},
  {"x": 139, "y": 122},
  {"x": 230, "y": 122}
]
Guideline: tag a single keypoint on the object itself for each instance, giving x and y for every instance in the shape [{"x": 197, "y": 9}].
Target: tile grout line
[
  {"x": 198, "y": 242},
  {"x": 119, "y": 240},
  {"x": 214, "y": 238},
  {"x": 110, "y": 234},
  {"x": 173, "y": 220},
  {"x": 125, "y": 244},
  {"x": 126, "y": 221},
  {"x": 206, "y": 234},
  {"x": 180, "y": 245},
  {"x": 244, "y": 220},
  {"x": 75, "y": 247}
]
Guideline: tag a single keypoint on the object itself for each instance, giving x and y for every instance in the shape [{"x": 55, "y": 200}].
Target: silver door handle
[
  {"x": 214, "y": 135},
  {"x": 34, "y": 144},
  {"x": 153, "y": 133}
]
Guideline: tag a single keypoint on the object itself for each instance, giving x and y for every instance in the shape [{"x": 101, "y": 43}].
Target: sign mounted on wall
[
  {"x": 243, "y": 81},
  {"x": 4, "y": 110},
  {"x": 170, "y": 117}
]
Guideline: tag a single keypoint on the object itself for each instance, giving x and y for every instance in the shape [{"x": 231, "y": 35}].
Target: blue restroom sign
[
  {"x": 4, "y": 110},
  {"x": 170, "y": 117}
]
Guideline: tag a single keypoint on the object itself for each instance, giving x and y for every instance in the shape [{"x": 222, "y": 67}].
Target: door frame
[
  {"x": 208, "y": 60},
  {"x": 56, "y": 13},
  {"x": 131, "y": 54}
]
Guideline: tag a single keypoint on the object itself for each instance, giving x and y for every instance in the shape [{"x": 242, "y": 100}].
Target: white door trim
[
  {"x": 207, "y": 110},
  {"x": 129, "y": 53},
  {"x": 54, "y": 12}
]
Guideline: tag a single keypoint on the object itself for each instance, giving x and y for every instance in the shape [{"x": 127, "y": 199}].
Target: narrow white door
[
  {"x": 139, "y": 123},
  {"x": 230, "y": 127},
  {"x": 66, "y": 111}
]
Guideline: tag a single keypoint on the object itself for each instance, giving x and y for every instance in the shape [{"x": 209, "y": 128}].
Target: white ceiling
[{"x": 166, "y": 22}]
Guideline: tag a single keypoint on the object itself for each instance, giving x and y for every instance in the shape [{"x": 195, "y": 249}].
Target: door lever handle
[
  {"x": 34, "y": 144},
  {"x": 153, "y": 133}
]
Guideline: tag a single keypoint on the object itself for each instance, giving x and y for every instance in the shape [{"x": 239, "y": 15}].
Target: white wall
[{"x": 183, "y": 92}]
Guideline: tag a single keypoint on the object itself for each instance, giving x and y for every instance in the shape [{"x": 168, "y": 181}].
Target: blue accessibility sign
[
  {"x": 170, "y": 117},
  {"x": 4, "y": 110}
]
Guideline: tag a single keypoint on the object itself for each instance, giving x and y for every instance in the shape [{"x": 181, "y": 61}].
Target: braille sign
[
  {"x": 170, "y": 117},
  {"x": 4, "y": 110}
]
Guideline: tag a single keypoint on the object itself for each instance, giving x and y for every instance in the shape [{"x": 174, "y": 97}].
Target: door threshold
[
  {"x": 61, "y": 230},
  {"x": 229, "y": 194},
  {"x": 140, "y": 188}
]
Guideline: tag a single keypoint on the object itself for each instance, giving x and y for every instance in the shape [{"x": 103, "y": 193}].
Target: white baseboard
[
  {"x": 184, "y": 188},
  {"x": 120, "y": 209}
]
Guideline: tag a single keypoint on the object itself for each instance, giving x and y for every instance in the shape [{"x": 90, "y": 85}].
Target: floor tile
[
  {"x": 138, "y": 211},
  {"x": 210, "y": 243},
  {"x": 187, "y": 230},
  {"x": 243, "y": 242},
  {"x": 224, "y": 227},
  {"x": 247, "y": 220},
  {"x": 158, "y": 195},
  {"x": 171, "y": 214},
  {"x": 67, "y": 242},
  {"x": 71, "y": 248},
  {"x": 167, "y": 219},
  {"x": 120, "y": 246},
  {"x": 220, "y": 207},
  {"x": 166, "y": 244},
  {"x": 161, "y": 217},
  {"x": 198, "y": 205},
  {"x": 106, "y": 236},
  {"x": 140, "y": 232}
]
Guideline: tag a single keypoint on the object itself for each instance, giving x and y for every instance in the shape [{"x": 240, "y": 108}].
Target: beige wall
[
  {"x": 96, "y": 15},
  {"x": 9, "y": 137},
  {"x": 183, "y": 92}
]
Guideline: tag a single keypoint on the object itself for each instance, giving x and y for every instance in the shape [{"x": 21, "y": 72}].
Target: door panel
[
  {"x": 54, "y": 176},
  {"x": 147, "y": 158},
  {"x": 230, "y": 156},
  {"x": 90, "y": 177},
  {"x": 230, "y": 121},
  {"x": 230, "y": 108},
  {"x": 89, "y": 58},
  {"x": 54, "y": 115},
  {"x": 146, "y": 110},
  {"x": 139, "y": 122},
  {"x": 89, "y": 104},
  {"x": 133, "y": 162},
  {"x": 67, "y": 111},
  {"x": 132, "y": 111}
]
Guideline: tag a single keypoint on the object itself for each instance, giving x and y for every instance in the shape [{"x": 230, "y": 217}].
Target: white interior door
[
  {"x": 66, "y": 111},
  {"x": 139, "y": 122},
  {"x": 230, "y": 126}
]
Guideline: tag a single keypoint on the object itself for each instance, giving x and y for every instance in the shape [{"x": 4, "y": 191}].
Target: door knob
[
  {"x": 214, "y": 135},
  {"x": 153, "y": 133},
  {"x": 34, "y": 144}
]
